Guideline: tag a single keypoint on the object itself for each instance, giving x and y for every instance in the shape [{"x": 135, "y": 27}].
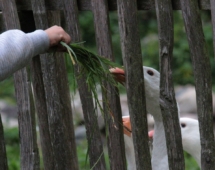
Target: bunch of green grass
[{"x": 94, "y": 67}]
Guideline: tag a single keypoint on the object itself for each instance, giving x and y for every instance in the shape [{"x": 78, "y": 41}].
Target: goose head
[
  {"x": 191, "y": 137},
  {"x": 152, "y": 85}
]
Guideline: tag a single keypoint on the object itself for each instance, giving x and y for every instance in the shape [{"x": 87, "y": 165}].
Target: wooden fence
[{"x": 51, "y": 92}]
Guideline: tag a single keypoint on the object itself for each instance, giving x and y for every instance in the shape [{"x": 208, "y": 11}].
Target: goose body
[
  {"x": 190, "y": 139},
  {"x": 152, "y": 90}
]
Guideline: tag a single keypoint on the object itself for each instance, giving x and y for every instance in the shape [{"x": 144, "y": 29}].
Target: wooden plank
[
  {"x": 42, "y": 112},
  {"x": 26, "y": 112},
  {"x": 85, "y": 5},
  {"x": 95, "y": 146},
  {"x": 202, "y": 74},
  {"x": 167, "y": 95},
  {"x": 3, "y": 156},
  {"x": 54, "y": 18},
  {"x": 57, "y": 100},
  {"x": 130, "y": 43},
  {"x": 104, "y": 46}
]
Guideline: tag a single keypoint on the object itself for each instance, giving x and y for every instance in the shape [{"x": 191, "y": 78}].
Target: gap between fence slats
[
  {"x": 130, "y": 43},
  {"x": 202, "y": 75},
  {"x": 26, "y": 112},
  {"x": 115, "y": 130},
  {"x": 167, "y": 95}
]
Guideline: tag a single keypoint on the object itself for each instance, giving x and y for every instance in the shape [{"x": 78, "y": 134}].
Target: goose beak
[
  {"x": 119, "y": 74},
  {"x": 126, "y": 126},
  {"x": 151, "y": 134}
]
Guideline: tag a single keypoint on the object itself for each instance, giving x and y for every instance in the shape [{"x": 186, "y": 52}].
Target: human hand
[{"x": 57, "y": 34}]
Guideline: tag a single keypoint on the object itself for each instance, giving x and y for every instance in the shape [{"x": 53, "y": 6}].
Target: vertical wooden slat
[
  {"x": 104, "y": 46},
  {"x": 96, "y": 153},
  {"x": 42, "y": 113},
  {"x": 54, "y": 18},
  {"x": 3, "y": 156},
  {"x": 202, "y": 74},
  {"x": 167, "y": 96},
  {"x": 26, "y": 112},
  {"x": 130, "y": 42},
  {"x": 57, "y": 101}
]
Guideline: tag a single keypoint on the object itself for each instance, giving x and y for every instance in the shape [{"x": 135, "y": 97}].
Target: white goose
[
  {"x": 190, "y": 139},
  {"x": 152, "y": 90}
]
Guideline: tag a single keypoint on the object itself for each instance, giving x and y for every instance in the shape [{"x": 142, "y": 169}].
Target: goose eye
[
  {"x": 183, "y": 125},
  {"x": 150, "y": 72}
]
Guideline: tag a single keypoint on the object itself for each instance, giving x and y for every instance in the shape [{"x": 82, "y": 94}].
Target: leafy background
[{"x": 181, "y": 66}]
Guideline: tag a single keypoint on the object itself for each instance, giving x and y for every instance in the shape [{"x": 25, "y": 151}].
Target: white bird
[
  {"x": 191, "y": 138},
  {"x": 152, "y": 91},
  {"x": 189, "y": 132}
]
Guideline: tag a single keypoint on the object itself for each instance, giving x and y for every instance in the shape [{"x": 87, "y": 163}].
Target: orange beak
[
  {"x": 127, "y": 126},
  {"x": 119, "y": 74}
]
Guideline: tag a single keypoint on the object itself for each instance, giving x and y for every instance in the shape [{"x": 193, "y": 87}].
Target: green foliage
[
  {"x": 12, "y": 148},
  {"x": 190, "y": 162}
]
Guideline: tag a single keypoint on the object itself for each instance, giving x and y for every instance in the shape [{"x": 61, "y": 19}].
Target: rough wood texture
[
  {"x": 42, "y": 113},
  {"x": 202, "y": 74},
  {"x": 130, "y": 42},
  {"x": 57, "y": 100},
  {"x": 167, "y": 94},
  {"x": 26, "y": 112},
  {"x": 85, "y": 5},
  {"x": 3, "y": 156},
  {"x": 104, "y": 46},
  {"x": 95, "y": 146}
]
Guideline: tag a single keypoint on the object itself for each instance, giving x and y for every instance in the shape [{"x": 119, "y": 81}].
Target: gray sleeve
[{"x": 18, "y": 48}]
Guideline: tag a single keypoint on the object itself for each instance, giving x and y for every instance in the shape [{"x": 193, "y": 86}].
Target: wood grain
[
  {"x": 202, "y": 75},
  {"x": 167, "y": 95},
  {"x": 130, "y": 43},
  {"x": 111, "y": 98},
  {"x": 95, "y": 146}
]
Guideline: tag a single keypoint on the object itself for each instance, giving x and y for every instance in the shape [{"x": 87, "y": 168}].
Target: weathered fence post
[
  {"x": 167, "y": 96},
  {"x": 57, "y": 100},
  {"x": 115, "y": 129},
  {"x": 130, "y": 42},
  {"x": 202, "y": 74}
]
